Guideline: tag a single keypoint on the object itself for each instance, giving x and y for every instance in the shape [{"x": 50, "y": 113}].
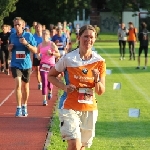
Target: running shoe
[
  {"x": 2, "y": 69},
  {"x": 7, "y": 72},
  {"x": 24, "y": 111},
  {"x": 138, "y": 67},
  {"x": 45, "y": 103},
  {"x": 49, "y": 96},
  {"x": 18, "y": 112},
  {"x": 39, "y": 86}
]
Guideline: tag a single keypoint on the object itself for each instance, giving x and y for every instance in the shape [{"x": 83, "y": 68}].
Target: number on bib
[
  {"x": 45, "y": 67},
  {"x": 85, "y": 95},
  {"x": 20, "y": 55}
]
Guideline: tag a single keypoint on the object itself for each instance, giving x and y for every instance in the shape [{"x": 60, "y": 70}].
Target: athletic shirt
[
  {"x": 64, "y": 96},
  {"x": 38, "y": 39},
  {"x": 32, "y": 30},
  {"x": 62, "y": 41},
  {"x": 143, "y": 37},
  {"x": 20, "y": 56},
  {"x": 4, "y": 38},
  {"x": 122, "y": 34},
  {"x": 132, "y": 34},
  {"x": 46, "y": 59},
  {"x": 79, "y": 73}
]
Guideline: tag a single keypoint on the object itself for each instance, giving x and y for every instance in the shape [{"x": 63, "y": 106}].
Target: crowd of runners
[
  {"x": 46, "y": 47},
  {"x": 48, "y": 53}
]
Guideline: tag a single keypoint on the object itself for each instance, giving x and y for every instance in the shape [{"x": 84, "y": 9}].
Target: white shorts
[{"x": 78, "y": 124}]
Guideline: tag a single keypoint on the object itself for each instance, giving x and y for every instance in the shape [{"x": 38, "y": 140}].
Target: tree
[
  {"x": 6, "y": 6},
  {"x": 48, "y": 11},
  {"x": 118, "y": 6}
]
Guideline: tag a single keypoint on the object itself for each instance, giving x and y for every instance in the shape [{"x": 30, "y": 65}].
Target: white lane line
[
  {"x": 6, "y": 98},
  {"x": 137, "y": 88},
  {"x": 10, "y": 95}
]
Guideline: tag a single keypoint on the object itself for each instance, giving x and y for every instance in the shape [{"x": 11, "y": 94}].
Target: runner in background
[
  {"x": 70, "y": 27},
  {"x": 43, "y": 27},
  {"x": 32, "y": 29},
  {"x": 21, "y": 44},
  {"x": 47, "y": 51},
  {"x": 66, "y": 31},
  {"x": 77, "y": 29},
  {"x": 60, "y": 40},
  {"x": 4, "y": 53},
  {"x": 52, "y": 32},
  {"x": 36, "y": 61},
  {"x": 132, "y": 38}
]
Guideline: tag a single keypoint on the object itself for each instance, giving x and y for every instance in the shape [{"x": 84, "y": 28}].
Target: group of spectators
[{"x": 131, "y": 35}]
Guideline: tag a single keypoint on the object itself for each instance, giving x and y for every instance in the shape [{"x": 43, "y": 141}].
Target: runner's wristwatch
[{"x": 97, "y": 81}]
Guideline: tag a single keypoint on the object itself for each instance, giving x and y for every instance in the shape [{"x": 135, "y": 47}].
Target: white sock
[
  {"x": 24, "y": 105},
  {"x": 18, "y": 106}
]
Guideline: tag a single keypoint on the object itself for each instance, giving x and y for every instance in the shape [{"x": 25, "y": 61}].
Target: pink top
[{"x": 46, "y": 59}]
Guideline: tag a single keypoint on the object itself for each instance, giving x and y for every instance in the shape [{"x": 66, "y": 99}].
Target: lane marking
[
  {"x": 10, "y": 94},
  {"x": 137, "y": 88},
  {"x": 6, "y": 98}
]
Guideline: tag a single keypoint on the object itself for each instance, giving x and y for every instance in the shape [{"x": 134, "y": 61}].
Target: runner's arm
[
  {"x": 31, "y": 48},
  {"x": 100, "y": 86},
  {"x": 54, "y": 47},
  {"x": 52, "y": 78},
  {"x": 38, "y": 53}
]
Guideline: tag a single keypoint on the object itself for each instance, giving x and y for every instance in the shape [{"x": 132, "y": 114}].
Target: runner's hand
[
  {"x": 69, "y": 88},
  {"x": 38, "y": 56},
  {"x": 10, "y": 47},
  {"x": 96, "y": 74},
  {"x": 23, "y": 41},
  {"x": 49, "y": 52}
]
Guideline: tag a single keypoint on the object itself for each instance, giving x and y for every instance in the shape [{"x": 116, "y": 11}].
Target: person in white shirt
[{"x": 122, "y": 37}]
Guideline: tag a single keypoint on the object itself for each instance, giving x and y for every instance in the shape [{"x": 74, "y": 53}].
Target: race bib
[
  {"x": 45, "y": 67},
  {"x": 85, "y": 95},
  {"x": 20, "y": 55}
]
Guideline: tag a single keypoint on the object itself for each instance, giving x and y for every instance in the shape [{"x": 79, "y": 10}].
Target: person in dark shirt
[
  {"x": 143, "y": 39},
  {"x": 4, "y": 53}
]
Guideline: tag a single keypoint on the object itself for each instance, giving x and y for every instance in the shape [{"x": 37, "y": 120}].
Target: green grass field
[
  {"x": 101, "y": 37},
  {"x": 115, "y": 130}
]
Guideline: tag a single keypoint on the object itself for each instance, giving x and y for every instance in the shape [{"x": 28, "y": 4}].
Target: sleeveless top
[{"x": 45, "y": 58}]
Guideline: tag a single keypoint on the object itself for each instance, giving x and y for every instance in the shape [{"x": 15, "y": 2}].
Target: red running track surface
[{"x": 23, "y": 133}]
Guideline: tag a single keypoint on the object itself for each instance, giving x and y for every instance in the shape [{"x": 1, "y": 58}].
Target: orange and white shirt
[
  {"x": 80, "y": 75},
  {"x": 132, "y": 34}
]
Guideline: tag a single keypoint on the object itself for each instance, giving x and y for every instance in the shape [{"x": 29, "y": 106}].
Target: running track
[{"x": 25, "y": 133}]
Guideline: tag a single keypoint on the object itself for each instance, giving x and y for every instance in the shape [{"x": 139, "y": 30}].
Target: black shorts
[
  {"x": 145, "y": 48},
  {"x": 36, "y": 62},
  {"x": 23, "y": 73}
]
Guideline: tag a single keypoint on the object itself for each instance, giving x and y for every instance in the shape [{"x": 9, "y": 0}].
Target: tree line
[{"x": 52, "y": 11}]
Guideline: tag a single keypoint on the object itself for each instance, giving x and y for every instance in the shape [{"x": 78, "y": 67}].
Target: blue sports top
[
  {"x": 13, "y": 30},
  {"x": 20, "y": 53},
  {"x": 38, "y": 40},
  {"x": 64, "y": 96},
  {"x": 62, "y": 41}
]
